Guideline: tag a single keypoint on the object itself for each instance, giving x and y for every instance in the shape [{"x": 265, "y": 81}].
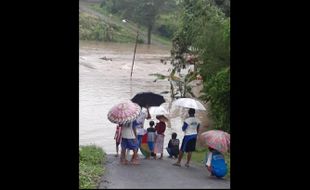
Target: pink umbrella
[
  {"x": 124, "y": 112},
  {"x": 217, "y": 139}
]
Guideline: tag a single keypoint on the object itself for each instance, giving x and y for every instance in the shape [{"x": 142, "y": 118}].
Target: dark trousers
[{"x": 172, "y": 153}]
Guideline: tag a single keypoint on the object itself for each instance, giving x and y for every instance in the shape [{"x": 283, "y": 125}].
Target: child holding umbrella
[
  {"x": 218, "y": 142},
  {"x": 215, "y": 163}
]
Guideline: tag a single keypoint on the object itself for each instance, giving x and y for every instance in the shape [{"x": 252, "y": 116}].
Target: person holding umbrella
[
  {"x": 191, "y": 129},
  {"x": 129, "y": 141},
  {"x": 218, "y": 143},
  {"x": 215, "y": 163},
  {"x": 124, "y": 114},
  {"x": 139, "y": 124},
  {"x": 146, "y": 100},
  {"x": 159, "y": 139}
]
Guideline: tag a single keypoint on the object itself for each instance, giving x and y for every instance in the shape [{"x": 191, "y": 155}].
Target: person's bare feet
[
  {"x": 124, "y": 162},
  {"x": 177, "y": 164},
  {"x": 135, "y": 162}
]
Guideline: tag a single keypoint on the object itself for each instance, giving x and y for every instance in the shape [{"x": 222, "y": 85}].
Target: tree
[
  {"x": 147, "y": 12},
  {"x": 144, "y": 12},
  {"x": 204, "y": 30},
  {"x": 224, "y": 5}
]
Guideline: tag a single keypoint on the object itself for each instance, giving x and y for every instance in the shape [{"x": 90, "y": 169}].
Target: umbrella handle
[{"x": 148, "y": 113}]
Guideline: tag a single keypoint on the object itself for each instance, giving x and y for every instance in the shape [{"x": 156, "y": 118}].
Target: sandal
[
  {"x": 186, "y": 165},
  {"x": 177, "y": 164}
]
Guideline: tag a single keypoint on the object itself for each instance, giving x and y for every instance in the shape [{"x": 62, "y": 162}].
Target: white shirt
[
  {"x": 127, "y": 131},
  {"x": 140, "y": 120},
  {"x": 192, "y": 124},
  {"x": 208, "y": 163}
]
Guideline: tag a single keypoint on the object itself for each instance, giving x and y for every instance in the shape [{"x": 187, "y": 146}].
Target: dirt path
[{"x": 158, "y": 174}]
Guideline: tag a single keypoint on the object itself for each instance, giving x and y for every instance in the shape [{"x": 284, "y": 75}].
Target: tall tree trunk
[{"x": 149, "y": 30}]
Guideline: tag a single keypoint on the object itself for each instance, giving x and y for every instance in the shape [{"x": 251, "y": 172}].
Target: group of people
[{"x": 130, "y": 135}]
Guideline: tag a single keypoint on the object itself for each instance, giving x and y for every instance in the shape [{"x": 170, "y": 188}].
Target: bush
[
  {"x": 165, "y": 30},
  {"x": 217, "y": 89},
  {"x": 204, "y": 31},
  {"x": 90, "y": 166},
  {"x": 166, "y": 25}
]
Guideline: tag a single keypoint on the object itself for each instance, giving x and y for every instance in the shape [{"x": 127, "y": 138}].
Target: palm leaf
[{"x": 159, "y": 76}]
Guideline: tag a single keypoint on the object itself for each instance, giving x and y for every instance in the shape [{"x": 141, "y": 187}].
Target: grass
[
  {"x": 125, "y": 35},
  {"x": 199, "y": 157},
  {"x": 90, "y": 166},
  {"x": 92, "y": 28}
]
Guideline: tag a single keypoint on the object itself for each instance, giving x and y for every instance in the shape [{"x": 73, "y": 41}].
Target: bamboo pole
[{"x": 134, "y": 53}]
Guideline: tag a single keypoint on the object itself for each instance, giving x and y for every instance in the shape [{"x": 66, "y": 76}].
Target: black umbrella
[{"x": 149, "y": 99}]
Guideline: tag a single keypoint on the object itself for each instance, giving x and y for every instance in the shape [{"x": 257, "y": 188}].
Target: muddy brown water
[{"x": 105, "y": 83}]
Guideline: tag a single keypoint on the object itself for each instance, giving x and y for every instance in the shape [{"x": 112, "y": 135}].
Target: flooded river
[{"x": 105, "y": 83}]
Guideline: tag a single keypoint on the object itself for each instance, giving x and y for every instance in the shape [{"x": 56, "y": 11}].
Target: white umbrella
[
  {"x": 158, "y": 110},
  {"x": 188, "y": 103}
]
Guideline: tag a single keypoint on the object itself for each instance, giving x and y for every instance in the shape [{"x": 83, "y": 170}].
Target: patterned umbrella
[
  {"x": 217, "y": 139},
  {"x": 124, "y": 112}
]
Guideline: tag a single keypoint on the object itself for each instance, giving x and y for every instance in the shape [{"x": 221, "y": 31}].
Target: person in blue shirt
[
  {"x": 215, "y": 163},
  {"x": 139, "y": 124}
]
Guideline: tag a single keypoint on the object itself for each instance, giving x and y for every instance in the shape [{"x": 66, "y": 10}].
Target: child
[
  {"x": 117, "y": 138},
  {"x": 173, "y": 146},
  {"x": 215, "y": 163},
  {"x": 160, "y": 135},
  {"x": 151, "y": 137}
]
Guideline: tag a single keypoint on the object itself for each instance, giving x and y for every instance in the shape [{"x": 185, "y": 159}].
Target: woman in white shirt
[{"x": 129, "y": 141}]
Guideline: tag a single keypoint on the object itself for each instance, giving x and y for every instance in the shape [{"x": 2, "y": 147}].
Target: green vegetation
[
  {"x": 112, "y": 29},
  {"x": 90, "y": 166},
  {"x": 165, "y": 25},
  {"x": 90, "y": 28},
  {"x": 204, "y": 33},
  {"x": 157, "y": 16},
  {"x": 217, "y": 89},
  {"x": 93, "y": 28},
  {"x": 143, "y": 12}
]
